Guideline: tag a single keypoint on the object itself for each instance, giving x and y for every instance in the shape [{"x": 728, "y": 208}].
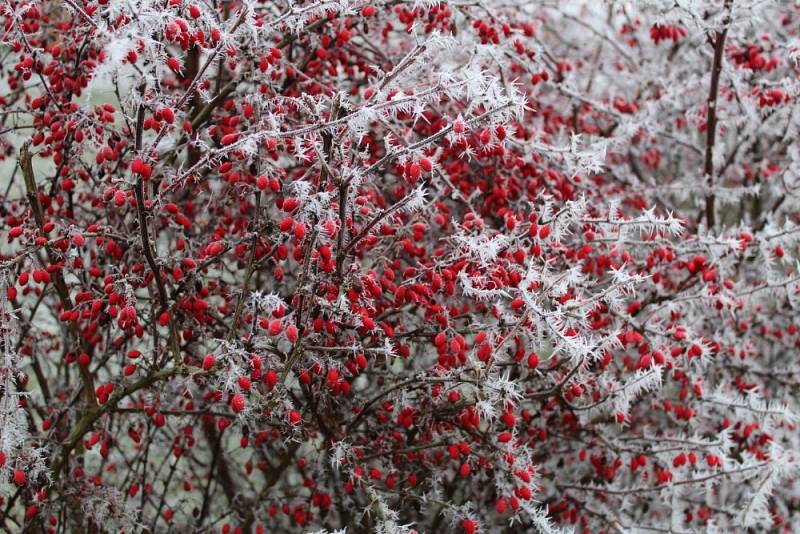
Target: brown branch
[
  {"x": 193, "y": 84},
  {"x": 661, "y": 487},
  {"x": 249, "y": 273},
  {"x": 144, "y": 234},
  {"x": 711, "y": 123},
  {"x": 378, "y": 218},
  {"x": 324, "y": 175},
  {"x": 32, "y": 192},
  {"x": 224, "y": 476},
  {"x": 86, "y": 422}
]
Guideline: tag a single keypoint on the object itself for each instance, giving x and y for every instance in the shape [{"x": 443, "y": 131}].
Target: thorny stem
[
  {"x": 711, "y": 111},
  {"x": 32, "y": 191},
  {"x": 249, "y": 273},
  {"x": 193, "y": 84},
  {"x": 85, "y": 424},
  {"x": 144, "y": 234},
  {"x": 660, "y": 487}
]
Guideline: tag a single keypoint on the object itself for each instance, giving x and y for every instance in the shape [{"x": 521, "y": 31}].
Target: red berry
[
  {"x": 229, "y": 139},
  {"x": 299, "y": 231},
  {"x": 294, "y": 417},
  {"x": 270, "y": 378},
  {"x": 244, "y": 383},
  {"x": 291, "y": 333},
  {"x": 14, "y": 233},
  {"x": 275, "y": 327},
  {"x": 470, "y": 526},
  {"x": 237, "y": 403},
  {"x": 168, "y": 115},
  {"x": 174, "y": 64},
  {"x": 464, "y": 470},
  {"x": 414, "y": 171}
]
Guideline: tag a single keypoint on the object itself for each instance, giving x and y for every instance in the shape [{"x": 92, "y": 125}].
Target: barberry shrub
[{"x": 395, "y": 266}]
